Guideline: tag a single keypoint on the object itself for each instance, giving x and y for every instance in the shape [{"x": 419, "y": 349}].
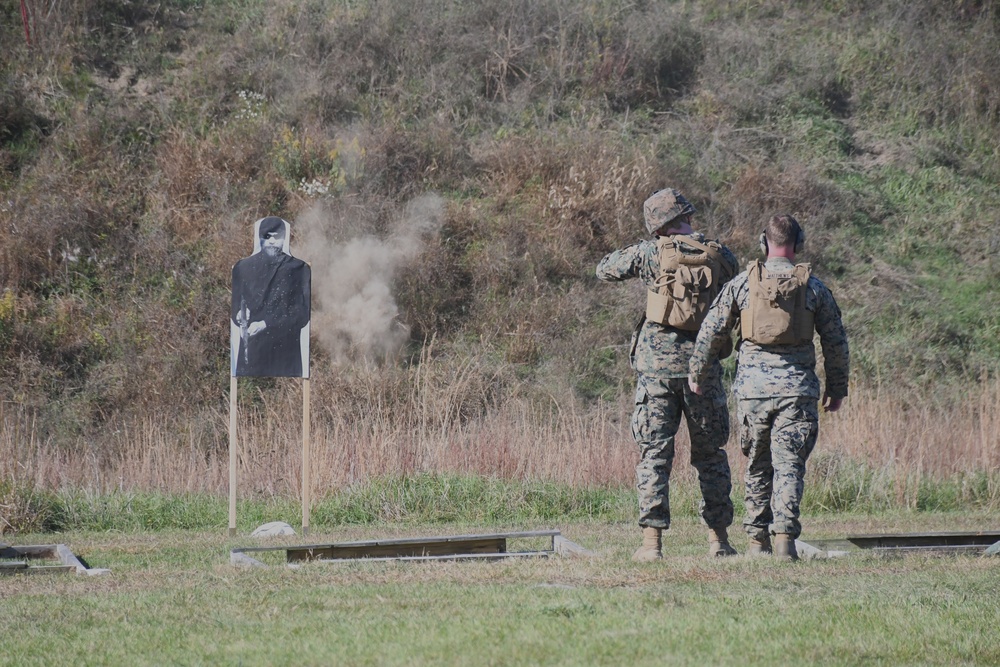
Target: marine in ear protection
[{"x": 800, "y": 236}]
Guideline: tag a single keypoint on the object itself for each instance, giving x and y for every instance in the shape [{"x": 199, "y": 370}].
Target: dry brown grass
[
  {"x": 443, "y": 419},
  {"x": 913, "y": 435}
]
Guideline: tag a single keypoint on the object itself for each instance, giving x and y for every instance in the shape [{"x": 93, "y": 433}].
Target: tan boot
[
  {"x": 652, "y": 545},
  {"x": 760, "y": 547},
  {"x": 784, "y": 547},
  {"x": 718, "y": 543}
]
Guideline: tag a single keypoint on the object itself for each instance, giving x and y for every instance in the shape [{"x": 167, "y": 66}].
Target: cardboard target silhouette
[
  {"x": 269, "y": 318},
  {"x": 269, "y": 333}
]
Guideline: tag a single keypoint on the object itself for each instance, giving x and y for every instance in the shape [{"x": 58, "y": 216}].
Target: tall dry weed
[
  {"x": 441, "y": 418},
  {"x": 912, "y": 434}
]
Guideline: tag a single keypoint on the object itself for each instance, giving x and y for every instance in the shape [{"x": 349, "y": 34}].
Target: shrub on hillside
[{"x": 23, "y": 509}]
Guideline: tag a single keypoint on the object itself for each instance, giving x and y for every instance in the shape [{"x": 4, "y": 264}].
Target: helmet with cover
[{"x": 663, "y": 207}]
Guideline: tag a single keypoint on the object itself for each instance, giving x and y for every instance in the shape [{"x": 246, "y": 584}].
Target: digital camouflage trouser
[
  {"x": 777, "y": 435},
  {"x": 658, "y": 408}
]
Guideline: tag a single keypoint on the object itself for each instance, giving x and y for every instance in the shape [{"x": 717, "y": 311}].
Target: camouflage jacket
[
  {"x": 765, "y": 371},
  {"x": 658, "y": 349}
]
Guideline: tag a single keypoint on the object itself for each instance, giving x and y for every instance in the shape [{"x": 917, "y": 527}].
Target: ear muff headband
[{"x": 800, "y": 240}]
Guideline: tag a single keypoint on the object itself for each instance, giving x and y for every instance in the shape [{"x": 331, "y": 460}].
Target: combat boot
[
  {"x": 760, "y": 546},
  {"x": 784, "y": 547},
  {"x": 652, "y": 545},
  {"x": 718, "y": 543}
]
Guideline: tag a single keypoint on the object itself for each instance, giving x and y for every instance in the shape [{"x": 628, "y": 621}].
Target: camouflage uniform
[
  {"x": 660, "y": 356},
  {"x": 777, "y": 393}
]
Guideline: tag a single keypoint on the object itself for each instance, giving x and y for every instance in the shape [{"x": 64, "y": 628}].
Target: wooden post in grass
[
  {"x": 306, "y": 485},
  {"x": 232, "y": 456}
]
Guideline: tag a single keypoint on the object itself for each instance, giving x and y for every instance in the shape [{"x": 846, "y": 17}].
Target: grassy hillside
[{"x": 454, "y": 171}]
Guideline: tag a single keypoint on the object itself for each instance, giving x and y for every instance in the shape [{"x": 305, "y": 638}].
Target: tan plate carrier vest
[
  {"x": 687, "y": 284},
  {"x": 776, "y": 311}
]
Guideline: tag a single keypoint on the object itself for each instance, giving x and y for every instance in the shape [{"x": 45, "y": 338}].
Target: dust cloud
[{"x": 354, "y": 314}]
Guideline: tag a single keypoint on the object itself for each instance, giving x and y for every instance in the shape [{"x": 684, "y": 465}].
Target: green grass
[
  {"x": 172, "y": 598},
  {"x": 420, "y": 499},
  {"x": 833, "y": 485}
]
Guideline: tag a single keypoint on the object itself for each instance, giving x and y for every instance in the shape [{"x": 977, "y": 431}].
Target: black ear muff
[{"x": 800, "y": 238}]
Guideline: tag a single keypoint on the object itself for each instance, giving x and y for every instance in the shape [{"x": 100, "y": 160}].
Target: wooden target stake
[
  {"x": 233, "y": 458},
  {"x": 273, "y": 295},
  {"x": 306, "y": 482},
  {"x": 232, "y": 455}
]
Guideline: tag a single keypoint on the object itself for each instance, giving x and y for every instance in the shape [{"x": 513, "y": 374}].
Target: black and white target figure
[{"x": 269, "y": 323}]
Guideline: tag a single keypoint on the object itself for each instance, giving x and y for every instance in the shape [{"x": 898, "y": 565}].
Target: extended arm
[
  {"x": 721, "y": 319},
  {"x": 623, "y": 264}
]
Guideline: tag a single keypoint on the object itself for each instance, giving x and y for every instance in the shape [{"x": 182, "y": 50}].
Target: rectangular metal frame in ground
[
  {"x": 976, "y": 542},
  {"x": 448, "y": 547},
  {"x": 18, "y": 560},
  {"x": 946, "y": 541}
]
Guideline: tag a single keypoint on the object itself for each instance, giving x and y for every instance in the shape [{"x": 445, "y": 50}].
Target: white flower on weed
[
  {"x": 314, "y": 187},
  {"x": 71, "y": 255},
  {"x": 253, "y": 105}
]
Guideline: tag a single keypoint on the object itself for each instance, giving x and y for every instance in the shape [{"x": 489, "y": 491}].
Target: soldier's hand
[
  {"x": 694, "y": 386},
  {"x": 256, "y": 327},
  {"x": 831, "y": 404}
]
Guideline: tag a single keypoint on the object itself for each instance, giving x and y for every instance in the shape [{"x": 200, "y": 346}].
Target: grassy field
[
  {"x": 173, "y": 598},
  {"x": 475, "y": 161}
]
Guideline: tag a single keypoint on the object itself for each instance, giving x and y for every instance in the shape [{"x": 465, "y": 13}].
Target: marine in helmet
[
  {"x": 778, "y": 305},
  {"x": 682, "y": 272}
]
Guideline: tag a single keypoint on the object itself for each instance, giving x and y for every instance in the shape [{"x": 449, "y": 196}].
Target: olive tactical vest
[
  {"x": 776, "y": 311},
  {"x": 687, "y": 283}
]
